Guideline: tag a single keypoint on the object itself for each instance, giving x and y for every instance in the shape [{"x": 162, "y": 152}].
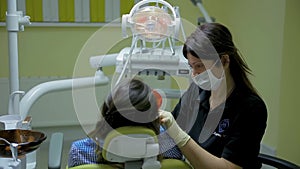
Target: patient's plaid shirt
[{"x": 83, "y": 151}]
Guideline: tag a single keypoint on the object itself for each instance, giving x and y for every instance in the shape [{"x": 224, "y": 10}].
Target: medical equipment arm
[
  {"x": 103, "y": 60},
  {"x": 58, "y": 85},
  {"x": 199, "y": 4}
]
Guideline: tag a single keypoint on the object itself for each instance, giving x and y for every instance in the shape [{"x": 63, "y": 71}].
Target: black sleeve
[
  {"x": 186, "y": 100},
  {"x": 186, "y": 110},
  {"x": 244, "y": 140},
  {"x": 176, "y": 110}
]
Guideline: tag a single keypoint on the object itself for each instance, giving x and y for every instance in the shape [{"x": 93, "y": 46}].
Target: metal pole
[
  {"x": 204, "y": 12},
  {"x": 15, "y": 22},
  {"x": 13, "y": 28}
]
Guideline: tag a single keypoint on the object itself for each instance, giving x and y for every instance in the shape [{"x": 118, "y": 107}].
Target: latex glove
[{"x": 179, "y": 136}]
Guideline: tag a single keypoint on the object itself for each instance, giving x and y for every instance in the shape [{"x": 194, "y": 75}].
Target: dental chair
[
  {"x": 136, "y": 148},
  {"x": 276, "y": 162},
  {"x": 55, "y": 150}
]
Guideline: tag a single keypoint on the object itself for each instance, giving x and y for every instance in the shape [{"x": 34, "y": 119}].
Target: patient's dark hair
[{"x": 130, "y": 103}]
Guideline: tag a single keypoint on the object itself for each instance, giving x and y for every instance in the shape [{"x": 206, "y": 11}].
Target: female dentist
[{"x": 220, "y": 119}]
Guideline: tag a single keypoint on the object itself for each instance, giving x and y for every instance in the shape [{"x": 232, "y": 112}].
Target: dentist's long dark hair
[{"x": 200, "y": 43}]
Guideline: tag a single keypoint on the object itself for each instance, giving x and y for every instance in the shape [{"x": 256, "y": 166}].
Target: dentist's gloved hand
[{"x": 179, "y": 136}]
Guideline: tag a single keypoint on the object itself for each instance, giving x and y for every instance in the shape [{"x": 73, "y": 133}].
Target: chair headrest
[{"x": 130, "y": 143}]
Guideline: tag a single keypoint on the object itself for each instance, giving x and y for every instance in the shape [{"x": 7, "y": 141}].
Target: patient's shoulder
[
  {"x": 85, "y": 141},
  {"x": 82, "y": 152}
]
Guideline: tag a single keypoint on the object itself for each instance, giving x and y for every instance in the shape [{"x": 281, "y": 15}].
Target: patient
[{"x": 131, "y": 103}]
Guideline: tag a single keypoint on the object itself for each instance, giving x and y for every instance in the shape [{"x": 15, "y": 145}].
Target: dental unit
[
  {"x": 17, "y": 123},
  {"x": 155, "y": 50}
]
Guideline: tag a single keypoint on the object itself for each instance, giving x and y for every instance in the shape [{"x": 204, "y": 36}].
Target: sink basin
[{"x": 27, "y": 140}]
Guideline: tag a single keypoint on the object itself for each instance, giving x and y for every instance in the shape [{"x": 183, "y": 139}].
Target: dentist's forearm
[
  {"x": 201, "y": 159},
  {"x": 197, "y": 156}
]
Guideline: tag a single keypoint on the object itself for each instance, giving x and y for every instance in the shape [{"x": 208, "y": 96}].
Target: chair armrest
[
  {"x": 276, "y": 162},
  {"x": 55, "y": 151},
  {"x": 174, "y": 163}
]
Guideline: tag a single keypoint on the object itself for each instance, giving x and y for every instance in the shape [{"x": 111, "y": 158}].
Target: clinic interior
[{"x": 266, "y": 33}]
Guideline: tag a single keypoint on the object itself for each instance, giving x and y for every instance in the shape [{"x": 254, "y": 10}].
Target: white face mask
[{"x": 207, "y": 80}]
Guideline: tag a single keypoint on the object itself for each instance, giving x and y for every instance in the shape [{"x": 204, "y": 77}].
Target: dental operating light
[
  {"x": 152, "y": 23},
  {"x": 155, "y": 26}
]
